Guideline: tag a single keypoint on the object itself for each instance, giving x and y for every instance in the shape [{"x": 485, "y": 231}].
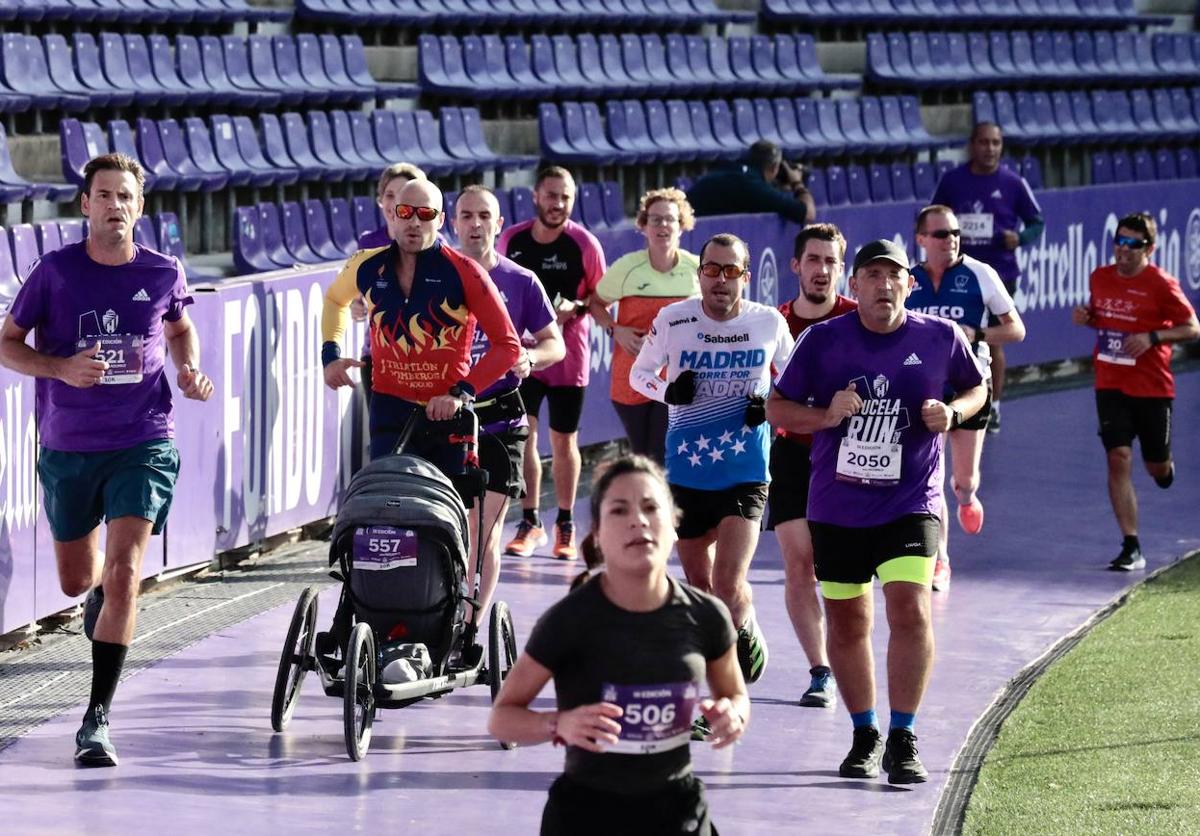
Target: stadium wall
[{"x": 273, "y": 448}]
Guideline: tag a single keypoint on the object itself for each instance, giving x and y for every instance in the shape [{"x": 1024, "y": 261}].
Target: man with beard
[
  {"x": 991, "y": 202},
  {"x": 869, "y": 387},
  {"x": 570, "y": 263},
  {"x": 719, "y": 351},
  {"x": 818, "y": 262}
]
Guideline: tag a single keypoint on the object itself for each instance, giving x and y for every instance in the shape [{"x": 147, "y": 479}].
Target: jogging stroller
[{"x": 400, "y": 544}]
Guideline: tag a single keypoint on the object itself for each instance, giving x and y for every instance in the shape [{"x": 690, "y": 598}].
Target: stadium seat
[
  {"x": 1188, "y": 169},
  {"x": 317, "y": 230},
  {"x": 614, "y": 210},
  {"x": 341, "y": 225},
  {"x": 1102, "y": 169},
  {"x": 48, "y": 237},
  {"x": 24, "y": 248},
  {"x": 70, "y": 231},
  {"x": 522, "y": 201},
  {"x": 901, "y": 176},
  {"x": 925, "y": 178},
  {"x": 1165, "y": 165},
  {"x": 295, "y": 238},
  {"x": 366, "y": 215},
  {"x": 835, "y": 186},
  {"x": 1122, "y": 167},
  {"x": 1143, "y": 166},
  {"x": 249, "y": 255}
]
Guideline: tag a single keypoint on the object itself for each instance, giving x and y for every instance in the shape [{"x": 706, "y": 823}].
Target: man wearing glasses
[
  {"x": 970, "y": 294},
  {"x": 424, "y": 302},
  {"x": 1138, "y": 311},
  {"x": 992, "y": 202},
  {"x": 719, "y": 351},
  {"x": 871, "y": 388}
]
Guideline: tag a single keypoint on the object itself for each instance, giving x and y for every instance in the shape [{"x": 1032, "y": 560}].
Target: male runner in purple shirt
[
  {"x": 106, "y": 311},
  {"x": 868, "y": 386},
  {"x": 503, "y": 427}
]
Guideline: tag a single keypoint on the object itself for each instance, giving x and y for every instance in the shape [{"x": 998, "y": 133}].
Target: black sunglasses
[
  {"x": 1129, "y": 241},
  {"x": 943, "y": 234}
]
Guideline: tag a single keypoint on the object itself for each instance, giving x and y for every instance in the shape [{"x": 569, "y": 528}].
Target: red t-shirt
[
  {"x": 1150, "y": 301},
  {"x": 797, "y": 325}
]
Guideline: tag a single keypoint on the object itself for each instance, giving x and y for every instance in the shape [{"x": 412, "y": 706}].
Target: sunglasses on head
[
  {"x": 712, "y": 269},
  {"x": 943, "y": 234},
  {"x": 404, "y": 211},
  {"x": 1129, "y": 241}
]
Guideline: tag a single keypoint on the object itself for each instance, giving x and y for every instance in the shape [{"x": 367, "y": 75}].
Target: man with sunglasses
[
  {"x": 570, "y": 263},
  {"x": 424, "y": 302},
  {"x": 991, "y": 202},
  {"x": 1138, "y": 311},
  {"x": 871, "y": 388},
  {"x": 719, "y": 352},
  {"x": 970, "y": 294}
]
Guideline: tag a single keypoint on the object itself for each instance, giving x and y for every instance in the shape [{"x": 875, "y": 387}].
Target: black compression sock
[
  {"x": 1164, "y": 482},
  {"x": 107, "y": 661},
  {"x": 530, "y": 515},
  {"x": 564, "y": 516},
  {"x": 1131, "y": 542}
]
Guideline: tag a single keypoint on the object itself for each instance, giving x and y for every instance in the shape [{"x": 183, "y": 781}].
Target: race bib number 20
[{"x": 1110, "y": 347}]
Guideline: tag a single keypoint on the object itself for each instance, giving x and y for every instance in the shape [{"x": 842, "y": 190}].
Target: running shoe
[
  {"x": 970, "y": 516},
  {"x": 863, "y": 758},
  {"x": 91, "y": 610},
  {"x": 528, "y": 538},
  {"x": 564, "y": 541},
  {"x": 941, "y": 576},
  {"x": 1129, "y": 559},
  {"x": 92, "y": 746},
  {"x": 701, "y": 730},
  {"x": 900, "y": 759},
  {"x": 993, "y": 424},
  {"x": 751, "y": 651},
  {"x": 822, "y": 689}
]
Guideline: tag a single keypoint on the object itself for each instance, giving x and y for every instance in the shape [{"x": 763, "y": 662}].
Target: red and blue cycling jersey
[{"x": 421, "y": 343}]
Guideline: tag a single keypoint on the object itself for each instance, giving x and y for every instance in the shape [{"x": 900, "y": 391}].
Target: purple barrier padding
[{"x": 21, "y": 498}]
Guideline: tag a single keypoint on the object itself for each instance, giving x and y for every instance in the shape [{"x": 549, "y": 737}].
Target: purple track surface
[{"x": 197, "y": 750}]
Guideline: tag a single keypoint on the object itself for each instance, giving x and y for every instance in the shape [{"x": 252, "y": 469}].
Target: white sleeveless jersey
[{"x": 709, "y": 445}]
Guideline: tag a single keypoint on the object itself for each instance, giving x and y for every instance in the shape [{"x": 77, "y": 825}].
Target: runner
[
  {"x": 625, "y": 704},
  {"x": 642, "y": 283},
  {"x": 718, "y": 352},
  {"x": 503, "y": 427},
  {"x": 106, "y": 312},
  {"x": 1138, "y": 311},
  {"x": 818, "y": 261},
  {"x": 868, "y": 387},
  {"x": 970, "y": 294},
  {"x": 569, "y": 261}
]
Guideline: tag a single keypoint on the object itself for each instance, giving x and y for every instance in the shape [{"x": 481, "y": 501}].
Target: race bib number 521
[{"x": 122, "y": 352}]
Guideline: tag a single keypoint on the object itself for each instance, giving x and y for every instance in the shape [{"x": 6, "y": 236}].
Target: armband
[{"x": 1154, "y": 338}]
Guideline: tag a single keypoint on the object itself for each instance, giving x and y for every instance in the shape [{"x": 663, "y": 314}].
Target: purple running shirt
[
  {"x": 882, "y": 463},
  {"x": 528, "y": 307},
  {"x": 69, "y": 301}
]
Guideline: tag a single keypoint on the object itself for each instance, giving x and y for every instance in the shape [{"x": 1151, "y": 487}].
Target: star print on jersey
[{"x": 714, "y": 449}]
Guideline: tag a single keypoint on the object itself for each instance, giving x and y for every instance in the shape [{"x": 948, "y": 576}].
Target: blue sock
[
  {"x": 864, "y": 718},
  {"x": 902, "y": 720}
]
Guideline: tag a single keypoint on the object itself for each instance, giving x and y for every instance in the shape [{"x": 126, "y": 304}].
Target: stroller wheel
[
  {"x": 502, "y": 650},
  {"x": 359, "y": 691},
  {"x": 296, "y": 659}
]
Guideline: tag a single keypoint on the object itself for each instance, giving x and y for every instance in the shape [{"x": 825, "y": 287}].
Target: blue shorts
[{"x": 81, "y": 489}]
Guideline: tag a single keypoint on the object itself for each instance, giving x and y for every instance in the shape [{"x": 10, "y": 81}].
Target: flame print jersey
[
  {"x": 421, "y": 344},
  {"x": 709, "y": 445}
]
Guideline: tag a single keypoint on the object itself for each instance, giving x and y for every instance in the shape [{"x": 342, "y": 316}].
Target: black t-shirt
[
  {"x": 594, "y": 647},
  {"x": 558, "y": 264}
]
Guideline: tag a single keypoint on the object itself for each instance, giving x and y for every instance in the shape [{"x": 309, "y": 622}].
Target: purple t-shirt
[
  {"x": 374, "y": 238},
  {"x": 882, "y": 463},
  {"x": 70, "y": 301},
  {"x": 528, "y": 308},
  {"x": 986, "y": 205}
]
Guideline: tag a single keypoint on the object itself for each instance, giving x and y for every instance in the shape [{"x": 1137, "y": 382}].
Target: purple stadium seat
[
  {"x": 366, "y": 216},
  {"x": 200, "y": 149},
  {"x": 249, "y": 255},
  {"x": 341, "y": 225},
  {"x": 49, "y": 237},
  {"x": 901, "y": 175},
  {"x": 70, "y": 231},
  {"x": 299, "y": 148},
  {"x": 26, "y": 79},
  {"x": 1102, "y": 170},
  {"x": 591, "y": 206},
  {"x": 143, "y": 233},
  {"x": 75, "y": 152},
  {"x": 287, "y": 65},
  {"x": 924, "y": 178},
  {"x": 228, "y": 156},
  {"x": 137, "y": 59},
  {"x": 121, "y": 140},
  {"x": 316, "y": 228},
  {"x": 24, "y": 248},
  {"x": 60, "y": 70},
  {"x": 212, "y": 59},
  {"x": 261, "y": 66},
  {"x": 364, "y": 139},
  {"x": 835, "y": 186},
  {"x": 312, "y": 70},
  {"x": 614, "y": 208},
  {"x": 1188, "y": 169},
  {"x": 10, "y": 283},
  {"x": 175, "y": 149},
  {"x": 425, "y": 129},
  {"x": 248, "y": 146},
  {"x": 520, "y": 67},
  {"x": 295, "y": 239},
  {"x": 320, "y": 135},
  {"x": 275, "y": 148},
  {"x": 879, "y": 183},
  {"x": 1165, "y": 164},
  {"x": 170, "y": 237},
  {"x": 1031, "y": 170},
  {"x": 857, "y": 185},
  {"x": 1143, "y": 166},
  {"x": 522, "y": 201},
  {"x": 115, "y": 65},
  {"x": 163, "y": 67}
]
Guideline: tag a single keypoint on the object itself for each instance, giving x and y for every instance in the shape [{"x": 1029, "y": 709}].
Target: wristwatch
[
  {"x": 463, "y": 392},
  {"x": 955, "y": 417}
]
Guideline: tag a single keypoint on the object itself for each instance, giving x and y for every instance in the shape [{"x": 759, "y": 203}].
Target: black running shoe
[
  {"x": 91, "y": 610},
  {"x": 92, "y": 746},
  {"x": 751, "y": 651},
  {"x": 1129, "y": 559},
  {"x": 863, "y": 759},
  {"x": 900, "y": 759},
  {"x": 822, "y": 689}
]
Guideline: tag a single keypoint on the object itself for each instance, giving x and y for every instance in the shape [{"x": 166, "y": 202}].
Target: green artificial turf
[{"x": 1108, "y": 740}]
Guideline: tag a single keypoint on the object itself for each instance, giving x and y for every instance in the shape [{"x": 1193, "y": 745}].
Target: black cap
[{"x": 883, "y": 248}]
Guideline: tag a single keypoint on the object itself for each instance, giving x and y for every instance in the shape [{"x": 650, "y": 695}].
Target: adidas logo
[
  {"x": 912, "y": 360},
  {"x": 141, "y": 296}
]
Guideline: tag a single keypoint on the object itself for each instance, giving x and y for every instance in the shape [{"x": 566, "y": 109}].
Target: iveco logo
[
  {"x": 1192, "y": 244},
  {"x": 768, "y": 278}
]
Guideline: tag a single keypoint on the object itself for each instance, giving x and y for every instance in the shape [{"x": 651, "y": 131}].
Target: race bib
[
  {"x": 380, "y": 547},
  {"x": 122, "y": 352},
  {"x": 976, "y": 227},
  {"x": 657, "y": 718},
  {"x": 1110, "y": 347},
  {"x": 868, "y": 462}
]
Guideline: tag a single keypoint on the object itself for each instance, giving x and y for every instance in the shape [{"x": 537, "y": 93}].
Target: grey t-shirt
[{"x": 652, "y": 663}]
